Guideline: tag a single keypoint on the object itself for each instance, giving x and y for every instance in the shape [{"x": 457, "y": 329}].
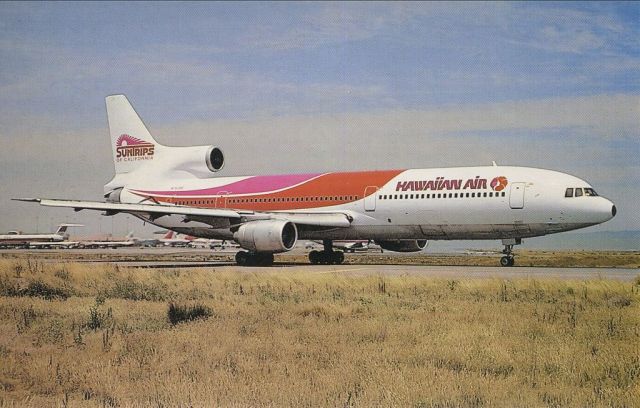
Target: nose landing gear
[{"x": 509, "y": 258}]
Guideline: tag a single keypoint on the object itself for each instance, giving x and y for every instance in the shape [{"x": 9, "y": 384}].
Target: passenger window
[
  {"x": 578, "y": 192},
  {"x": 568, "y": 192}
]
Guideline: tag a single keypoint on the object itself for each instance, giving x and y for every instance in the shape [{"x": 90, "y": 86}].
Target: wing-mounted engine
[
  {"x": 401, "y": 245},
  {"x": 270, "y": 236},
  {"x": 200, "y": 161}
]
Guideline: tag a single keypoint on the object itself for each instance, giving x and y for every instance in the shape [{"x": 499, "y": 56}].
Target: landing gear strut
[
  {"x": 509, "y": 258},
  {"x": 327, "y": 256},
  {"x": 244, "y": 258}
]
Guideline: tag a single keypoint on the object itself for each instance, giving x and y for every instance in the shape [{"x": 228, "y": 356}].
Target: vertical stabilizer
[
  {"x": 131, "y": 142},
  {"x": 62, "y": 228}
]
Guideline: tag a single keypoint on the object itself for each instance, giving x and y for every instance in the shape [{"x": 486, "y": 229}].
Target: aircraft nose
[{"x": 606, "y": 210}]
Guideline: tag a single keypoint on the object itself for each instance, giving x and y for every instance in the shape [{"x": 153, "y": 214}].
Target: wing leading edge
[{"x": 208, "y": 215}]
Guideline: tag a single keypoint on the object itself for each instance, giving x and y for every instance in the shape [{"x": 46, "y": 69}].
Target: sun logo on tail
[
  {"x": 129, "y": 148},
  {"x": 499, "y": 183}
]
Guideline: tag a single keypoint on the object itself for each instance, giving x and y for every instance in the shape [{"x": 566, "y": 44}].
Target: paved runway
[
  {"x": 190, "y": 258},
  {"x": 448, "y": 272}
]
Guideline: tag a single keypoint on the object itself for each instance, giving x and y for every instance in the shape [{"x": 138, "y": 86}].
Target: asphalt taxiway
[
  {"x": 445, "y": 272},
  {"x": 221, "y": 260}
]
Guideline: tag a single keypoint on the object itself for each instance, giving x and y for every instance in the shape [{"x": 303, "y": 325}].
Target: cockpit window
[
  {"x": 578, "y": 192},
  {"x": 569, "y": 192},
  {"x": 590, "y": 192}
]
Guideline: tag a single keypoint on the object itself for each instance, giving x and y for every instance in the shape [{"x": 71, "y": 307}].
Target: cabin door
[
  {"x": 221, "y": 202},
  {"x": 516, "y": 197},
  {"x": 370, "y": 198}
]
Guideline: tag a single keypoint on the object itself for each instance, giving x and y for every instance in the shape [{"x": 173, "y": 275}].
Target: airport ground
[{"x": 96, "y": 328}]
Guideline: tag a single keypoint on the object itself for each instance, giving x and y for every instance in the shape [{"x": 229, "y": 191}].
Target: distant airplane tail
[
  {"x": 62, "y": 228},
  {"x": 168, "y": 235},
  {"x": 131, "y": 141}
]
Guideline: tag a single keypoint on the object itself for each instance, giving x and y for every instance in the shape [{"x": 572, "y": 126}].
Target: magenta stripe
[{"x": 251, "y": 185}]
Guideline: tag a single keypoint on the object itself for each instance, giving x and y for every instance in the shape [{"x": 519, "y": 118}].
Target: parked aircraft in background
[
  {"x": 206, "y": 243},
  {"x": 350, "y": 246},
  {"x": 177, "y": 188},
  {"x": 170, "y": 240},
  {"x": 57, "y": 239},
  {"x": 128, "y": 241}
]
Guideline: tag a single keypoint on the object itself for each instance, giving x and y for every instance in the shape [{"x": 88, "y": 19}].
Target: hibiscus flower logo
[{"x": 499, "y": 183}]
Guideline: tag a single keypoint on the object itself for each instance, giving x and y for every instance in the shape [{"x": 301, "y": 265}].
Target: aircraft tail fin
[
  {"x": 131, "y": 142},
  {"x": 62, "y": 228}
]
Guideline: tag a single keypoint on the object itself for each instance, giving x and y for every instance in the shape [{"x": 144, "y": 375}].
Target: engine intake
[
  {"x": 403, "y": 245},
  {"x": 270, "y": 236},
  {"x": 214, "y": 159}
]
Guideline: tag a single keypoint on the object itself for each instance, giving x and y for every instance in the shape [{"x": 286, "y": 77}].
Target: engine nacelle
[
  {"x": 270, "y": 236},
  {"x": 403, "y": 245},
  {"x": 200, "y": 161}
]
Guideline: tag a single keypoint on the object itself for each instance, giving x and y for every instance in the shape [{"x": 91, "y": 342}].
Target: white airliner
[
  {"x": 128, "y": 241},
  {"x": 58, "y": 238},
  {"x": 170, "y": 240},
  {"x": 178, "y": 188}
]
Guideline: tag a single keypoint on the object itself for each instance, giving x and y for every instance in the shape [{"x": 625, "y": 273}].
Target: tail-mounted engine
[
  {"x": 270, "y": 236},
  {"x": 200, "y": 161},
  {"x": 401, "y": 245},
  {"x": 214, "y": 159}
]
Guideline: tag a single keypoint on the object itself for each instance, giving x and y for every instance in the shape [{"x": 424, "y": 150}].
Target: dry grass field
[{"x": 99, "y": 335}]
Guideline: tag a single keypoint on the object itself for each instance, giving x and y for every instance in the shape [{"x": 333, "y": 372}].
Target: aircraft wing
[{"x": 212, "y": 216}]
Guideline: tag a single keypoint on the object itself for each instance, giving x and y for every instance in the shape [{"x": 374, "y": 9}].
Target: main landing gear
[
  {"x": 327, "y": 256},
  {"x": 244, "y": 258},
  {"x": 509, "y": 258}
]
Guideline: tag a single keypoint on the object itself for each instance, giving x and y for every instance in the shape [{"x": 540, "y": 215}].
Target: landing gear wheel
[
  {"x": 314, "y": 257},
  {"x": 242, "y": 258},
  {"x": 264, "y": 259},
  {"x": 326, "y": 257},
  {"x": 507, "y": 261}
]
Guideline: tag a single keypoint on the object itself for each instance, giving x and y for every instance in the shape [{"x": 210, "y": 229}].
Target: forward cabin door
[
  {"x": 370, "y": 194},
  {"x": 516, "y": 197}
]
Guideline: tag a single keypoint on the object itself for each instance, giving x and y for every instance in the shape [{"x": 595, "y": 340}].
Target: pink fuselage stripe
[{"x": 251, "y": 185}]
